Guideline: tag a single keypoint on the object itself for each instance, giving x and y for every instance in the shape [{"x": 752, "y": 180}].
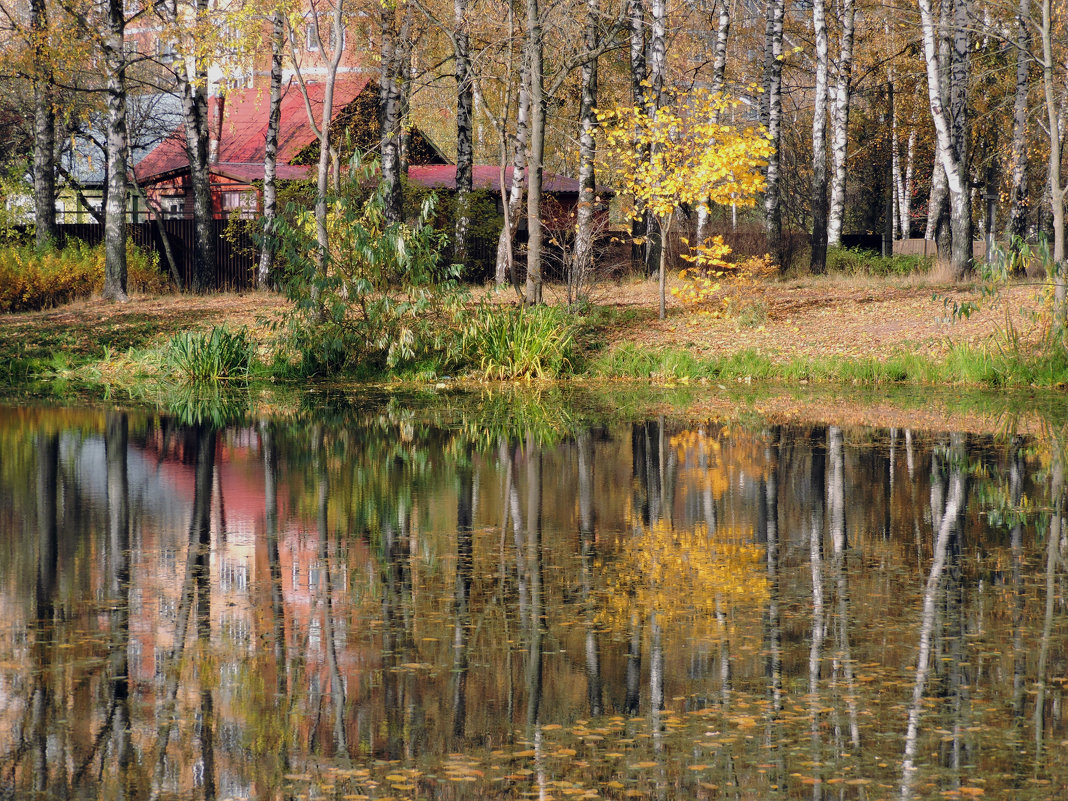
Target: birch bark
[
  {"x": 270, "y": 150},
  {"x": 818, "y": 262},
  {"x": 771, "y": 117},
  {"x": 949, "y": 133},
  {"x": 584, "y": 213},
  {"x": 115, "y": 203},
  {"x": 1018, "y": 165},
  {"x": 840, "y": 127}
]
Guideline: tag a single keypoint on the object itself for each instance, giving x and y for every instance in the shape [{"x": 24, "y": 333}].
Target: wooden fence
[
  {"x": 928, "y": 248},
  {"x": 235, "y": 251}
]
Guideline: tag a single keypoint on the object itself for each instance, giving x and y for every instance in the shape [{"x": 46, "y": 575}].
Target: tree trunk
[
  {"x": 1018, "y": 159},
  {"x": 904, "y": 208},
  {"x": 818, "y": 261},
  {"x": 115, "y": 203},
  {"x": 537, "y": 151},
  {"x": 584, "y": 214},
  {"x": 771, "y": 117},
  {"x": 655, "y": 238},
  {"x": 1056, "y": 190},
  {"x": 642, "y": 223},
  {"x": 947, "y": 131},
  {"x": 840, "y": 127},
  {"x": 194, "y": 91},
  {"x": 44, "y": 130},
  {"x": 719, "y": 72},
  {"x": 270, "y": 152},
  {"x": 389, "y": 107},
  {"x": 505, "y": 252},
  {"x": 464, "y": 146}
]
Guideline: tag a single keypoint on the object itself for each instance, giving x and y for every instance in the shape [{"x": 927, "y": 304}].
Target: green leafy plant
[
  {"x": 377, "y": 299},
  {"x": 213, "y": 356},
  {"x": 861, "y": 262},
  {"x": 518, "y": 341}
]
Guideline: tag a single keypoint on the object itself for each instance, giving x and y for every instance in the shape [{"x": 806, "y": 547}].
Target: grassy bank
[{"x": 838, "y": 330}]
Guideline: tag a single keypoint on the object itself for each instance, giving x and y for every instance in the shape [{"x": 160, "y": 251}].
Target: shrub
[
  {"x": 863, "y": 262},
  {"x": 33, "y": 279},
  {"x": 217, "y": 355},
  {"x": 378, "y": 299},
  {"x": 518, "y": 341}
]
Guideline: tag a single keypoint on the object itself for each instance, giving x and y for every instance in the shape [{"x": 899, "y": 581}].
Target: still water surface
[{"x": 368, "y": 605}]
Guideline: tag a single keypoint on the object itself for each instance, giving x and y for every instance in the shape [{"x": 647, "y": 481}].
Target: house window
[
  {"x": 243, "y": 204},
  {"x": 173, "y": 208},
  {"x": 326, "y": 33}
]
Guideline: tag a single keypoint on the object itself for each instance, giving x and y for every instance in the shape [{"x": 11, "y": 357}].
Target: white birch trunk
[
  {"x": 818, "y": 261},
  {"x": 840, "y": 127},
  {"x": 115, "y": 203},
  {"x": 947, "y": 153}
]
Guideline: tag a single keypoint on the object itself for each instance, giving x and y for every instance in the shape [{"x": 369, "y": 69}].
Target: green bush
[
  {"x": 380, "y": 296},
  {"x": 508, "y": 342},
  {"x": 216, "y": 355},
  {"x": 33, "y": 279},
  {"x": 862, "y": 262}
]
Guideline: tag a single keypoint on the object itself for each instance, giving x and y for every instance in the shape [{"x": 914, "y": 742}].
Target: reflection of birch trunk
[
  {"x": 537, "y": 613},
  {"x": 1052, "y": 545},
  {"x": 270, "y": 492},
  {"x": 202, "y": 573},
  {"x": 199, "y": 532},
  {"x": 772, "y": 623},
  {"x": 588, "y": 554},
  {"x": 843, "y": 661},
  {"x": 1016, "y": 479},
  {"x": 634, "y": 666},
  {"x": 461, "y": 613},
  {"x": 116, "y": 443},
  {"x": 44, "y": 593},
  {"x": 394, "y": 634},
  {"x": 948, "y": 519},
  {"x": 504, "y": 455},
  {"x": 819, "y": 617},
  {"x": 337, "y": 686}
]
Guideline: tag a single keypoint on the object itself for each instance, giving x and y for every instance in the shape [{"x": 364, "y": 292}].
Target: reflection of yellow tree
[{"x": 684, "y": 574}]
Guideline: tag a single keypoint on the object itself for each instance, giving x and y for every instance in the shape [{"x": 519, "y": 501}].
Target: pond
[{"x": 369, "y": 601}]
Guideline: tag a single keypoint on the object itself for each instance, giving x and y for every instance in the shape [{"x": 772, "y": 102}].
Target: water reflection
[{"x": 370, "y": 605}]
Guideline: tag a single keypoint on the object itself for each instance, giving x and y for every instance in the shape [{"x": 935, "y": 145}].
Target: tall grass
[
  {"x": 208, "y": 357},
  {"x": 509, "y": 342}
]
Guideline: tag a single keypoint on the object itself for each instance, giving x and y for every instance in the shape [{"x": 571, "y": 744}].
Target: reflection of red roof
[
  {"x": 244, "y": 128},
  {"x": 484, "y": 176}
]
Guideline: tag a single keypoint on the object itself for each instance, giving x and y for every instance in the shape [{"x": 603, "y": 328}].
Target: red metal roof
[
  {"x": 244, "y": 127},
  {"x": 484, "y": 176}
]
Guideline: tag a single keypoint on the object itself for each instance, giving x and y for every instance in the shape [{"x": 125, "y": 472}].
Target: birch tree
[
  {"x": 949, "y": 124},
  {"x": 115, "y": 202},
  {"x": 840, "y": 125},
  {"x": 395, "y": 22},
  {"x": 584, "y": 213},
  {"x": 44, "y": 127},
  {"x": 536, "y": 155},
  {"x": 465, "y": 155},
  {"x": 321, "y": 127},
  {"x": 1018, "y": 157},
  {"x": 191, "y": 78},
  {"x": 1051, "y": 82},
  {"x": 771, "y": 118},
  {"x": 270, "y": 149},
  {"x": 818, "y": 261}
]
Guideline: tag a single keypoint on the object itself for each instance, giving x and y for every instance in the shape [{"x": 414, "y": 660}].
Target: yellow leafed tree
[{"x": 681, "y": 154}]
